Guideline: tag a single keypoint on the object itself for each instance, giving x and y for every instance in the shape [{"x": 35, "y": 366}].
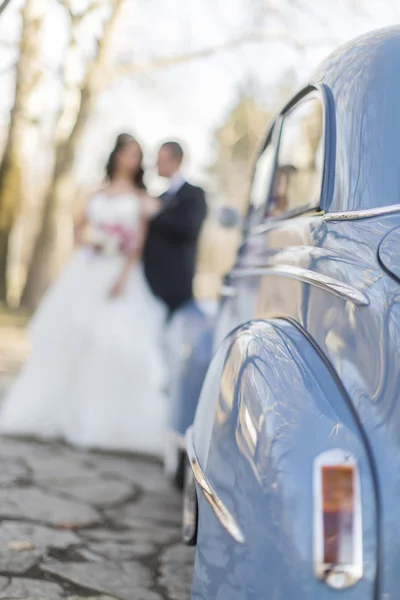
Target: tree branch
[
  {"x": 4, "y": 5},
  {"x": 67, "y": 5},
  {"x": 93, "y": 6},
  {"x": 77, "y": 18},
  {"x": 137, "y": 68},
  {"x": 104, "y": 41}
]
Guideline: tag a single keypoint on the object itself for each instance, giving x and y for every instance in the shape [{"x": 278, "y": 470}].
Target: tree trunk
[
  {"x": 46, "y": 263},
  {"x": 54, "y": 240},
  {"x": 4, "y": 237},
  {"x": 49, "y": 250},
  {"x": 10, "y": 195},
  {"x": 26, "y": 79}
]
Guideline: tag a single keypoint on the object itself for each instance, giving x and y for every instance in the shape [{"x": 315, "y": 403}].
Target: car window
[
  {"x": 298, "y": 174},
  {"x": 261, "y": 184}
]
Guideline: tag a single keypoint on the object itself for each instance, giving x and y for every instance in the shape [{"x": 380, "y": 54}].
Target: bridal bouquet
[{"x": 112, "y": 239}]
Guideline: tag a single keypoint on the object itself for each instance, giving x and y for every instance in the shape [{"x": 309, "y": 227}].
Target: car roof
[{"x": 362, "y": 79}]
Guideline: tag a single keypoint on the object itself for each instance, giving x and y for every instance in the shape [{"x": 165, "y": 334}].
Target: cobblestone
[
  {"x": 84, "y": 526},
  {"x": 33, "y": 504},
  {"x": 79, "y": 525},
  {"x": 30, "y": 588}
]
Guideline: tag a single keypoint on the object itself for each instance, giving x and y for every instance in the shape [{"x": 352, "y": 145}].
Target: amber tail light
[{"x": 337, "y": 519}]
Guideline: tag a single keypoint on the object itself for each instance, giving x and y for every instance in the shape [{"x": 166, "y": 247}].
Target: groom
[{"x": 171, "y": 247}]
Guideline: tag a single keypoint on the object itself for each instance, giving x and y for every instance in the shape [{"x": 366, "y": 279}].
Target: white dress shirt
[{"x": 175, "y": 183}]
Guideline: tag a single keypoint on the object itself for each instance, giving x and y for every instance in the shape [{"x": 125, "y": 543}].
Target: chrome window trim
[
  {"x": 368, "y": 213},
  {"x": 344, "y": 575},
  {"x": 272, "y": 222},
  {"x": 218, "y": 507},
  {"x": 309, "y": 91},
  {"x": 323, "y": 282},
  {"x": 312, "y": 91},
  {"x": 272, "y": 139},
  {"x": 353, "y": 215}
]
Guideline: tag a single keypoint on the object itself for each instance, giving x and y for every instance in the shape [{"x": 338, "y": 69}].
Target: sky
[{"x": 188, "y": 102}]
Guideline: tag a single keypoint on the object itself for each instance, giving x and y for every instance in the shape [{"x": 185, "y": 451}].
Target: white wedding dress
[{"x": 96, "y": 375}]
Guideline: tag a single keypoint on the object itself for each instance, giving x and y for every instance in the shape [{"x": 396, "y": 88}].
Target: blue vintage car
[
  {"x": 294, "y": 487},
  {"x": 189, "y": 343}
]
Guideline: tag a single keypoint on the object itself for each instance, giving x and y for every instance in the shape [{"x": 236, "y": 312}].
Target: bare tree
[
  {"x": 54, "y": 240},
  {"x": 27, "y": 77},
  {"x": 48, "y": 252}
]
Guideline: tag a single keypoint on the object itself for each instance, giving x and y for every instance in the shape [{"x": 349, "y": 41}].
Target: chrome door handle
[{"x": 228, "y": 291}]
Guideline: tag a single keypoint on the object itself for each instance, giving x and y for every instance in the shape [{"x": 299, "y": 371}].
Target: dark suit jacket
[{"x": 171, "y": 247}]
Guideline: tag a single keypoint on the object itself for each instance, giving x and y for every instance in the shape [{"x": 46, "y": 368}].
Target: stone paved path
[{"x": 84, "y": 525}]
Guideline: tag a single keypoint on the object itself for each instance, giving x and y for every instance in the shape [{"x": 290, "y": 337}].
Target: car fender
[{"x": 269, "y": 406}]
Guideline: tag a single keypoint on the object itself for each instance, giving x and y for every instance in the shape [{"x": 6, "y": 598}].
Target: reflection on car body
[{"x": 295, "y": 443}]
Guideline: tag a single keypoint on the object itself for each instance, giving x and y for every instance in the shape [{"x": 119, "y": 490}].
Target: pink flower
[{"x": 125, "y": 236}]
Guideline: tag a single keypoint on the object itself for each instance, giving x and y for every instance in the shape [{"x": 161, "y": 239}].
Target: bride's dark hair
[{"x": 123, "y": 140}]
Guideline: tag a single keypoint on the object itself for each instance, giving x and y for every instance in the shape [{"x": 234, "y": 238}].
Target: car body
[
  {"x": 294, "y": 453},
  {"x": 188, "y": 349}
]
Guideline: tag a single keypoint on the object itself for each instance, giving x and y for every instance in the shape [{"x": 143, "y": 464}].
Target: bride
[{"x": 96, "y": 376}]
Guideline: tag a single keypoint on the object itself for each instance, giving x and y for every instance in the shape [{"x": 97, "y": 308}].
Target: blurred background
[{"x": 75, "y": 73}]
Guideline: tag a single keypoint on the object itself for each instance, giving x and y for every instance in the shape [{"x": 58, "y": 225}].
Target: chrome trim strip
[
  {"x": 350, "y": 215},
  {"x": 322, "y": 281},
  {"x": 337, "y": 576},
  {"x": 189, "y": 508},
  {"x": 272, "y": 222},
  {"x": 368, "y": 213},
  {"x": 221, "y": 512}
]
